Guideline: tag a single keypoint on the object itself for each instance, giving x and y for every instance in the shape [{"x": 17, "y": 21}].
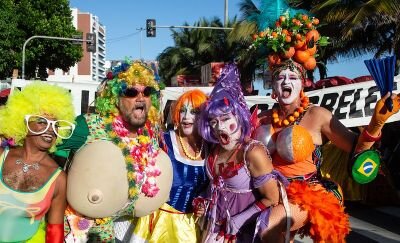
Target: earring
[{"x": 274, "y": 96}]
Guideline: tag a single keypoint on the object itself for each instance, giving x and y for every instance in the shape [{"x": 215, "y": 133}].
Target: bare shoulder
[
  {"x": 61, "y": 182},
  {"x": 258, "y": 159},
  {"x": 319, "y": 112},
  {"x": 256, "y": 148}
]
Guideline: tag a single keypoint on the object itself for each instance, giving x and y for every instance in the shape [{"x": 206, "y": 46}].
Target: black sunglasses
[{"x": 133, "y": 92}]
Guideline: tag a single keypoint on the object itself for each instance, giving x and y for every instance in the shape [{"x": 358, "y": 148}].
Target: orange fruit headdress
[{"x": 292, "y": 39}]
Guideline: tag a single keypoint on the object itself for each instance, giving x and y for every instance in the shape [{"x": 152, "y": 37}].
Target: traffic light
[
  {"x": 150, "y": 27},
  {"x": 90, "y": 42}
]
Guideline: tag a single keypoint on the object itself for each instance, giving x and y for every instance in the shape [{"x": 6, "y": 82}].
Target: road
[{"x": 371, "y": 224}]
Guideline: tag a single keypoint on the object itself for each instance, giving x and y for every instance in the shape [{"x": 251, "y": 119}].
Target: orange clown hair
[{"x": 196, "y": 97}]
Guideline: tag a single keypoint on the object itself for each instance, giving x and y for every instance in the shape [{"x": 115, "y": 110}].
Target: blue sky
[{"x": 122, "y": 18}]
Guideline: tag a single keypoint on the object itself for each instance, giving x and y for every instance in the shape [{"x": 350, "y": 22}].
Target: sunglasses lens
[
  {"x": 37, "y": 124},
  {"x": 148, "y": 91},
  {"x": 64, "y": 129},
  {"x": 131, "y": 92}
]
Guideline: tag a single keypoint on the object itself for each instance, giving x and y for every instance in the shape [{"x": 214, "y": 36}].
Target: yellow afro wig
[{"x": 37, "y": 98}]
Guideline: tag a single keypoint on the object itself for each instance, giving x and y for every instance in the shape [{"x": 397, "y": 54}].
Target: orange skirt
[{"x": 327, "y": 220}]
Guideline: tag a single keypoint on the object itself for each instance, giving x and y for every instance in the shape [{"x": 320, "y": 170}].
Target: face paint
[
  {"x": 226, "y": 129},
  {"x": 287, "y": 86},
  {"x": 188, "y": 116}
]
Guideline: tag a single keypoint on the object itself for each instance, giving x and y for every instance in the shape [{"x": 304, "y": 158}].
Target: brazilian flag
[{"x": 366, "y": 166}]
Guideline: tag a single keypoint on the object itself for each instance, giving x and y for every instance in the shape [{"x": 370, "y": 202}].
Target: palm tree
[
  {"x": 358, "y": 27},
  {"x": 197, "y": 47}
]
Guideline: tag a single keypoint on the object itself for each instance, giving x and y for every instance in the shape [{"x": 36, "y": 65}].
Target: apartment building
[{"x": 92, "y": 67}]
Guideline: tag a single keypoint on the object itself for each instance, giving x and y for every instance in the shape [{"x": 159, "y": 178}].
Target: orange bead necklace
[{"x": 277, "y": 122}]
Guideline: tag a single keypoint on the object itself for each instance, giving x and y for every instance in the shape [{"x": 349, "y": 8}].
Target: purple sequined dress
[{"x": 232, "y": 194}]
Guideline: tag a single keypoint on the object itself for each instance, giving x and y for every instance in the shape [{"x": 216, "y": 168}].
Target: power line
[{"x": 116, "y": 39}]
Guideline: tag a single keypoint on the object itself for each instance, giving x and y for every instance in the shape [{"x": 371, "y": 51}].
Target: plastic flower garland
[
  {"x": 140, "y": 153},
  {"x": 295, "y": 38}
]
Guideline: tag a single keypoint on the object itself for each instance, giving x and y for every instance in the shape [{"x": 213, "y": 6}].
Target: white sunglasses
[{"x": 61, "y": 128}]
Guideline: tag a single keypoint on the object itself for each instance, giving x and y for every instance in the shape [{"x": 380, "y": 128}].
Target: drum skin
[{"x": 97, "y": 184}]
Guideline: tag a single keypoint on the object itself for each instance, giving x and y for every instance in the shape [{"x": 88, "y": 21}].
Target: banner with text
[{"x": 352, "y": 104}]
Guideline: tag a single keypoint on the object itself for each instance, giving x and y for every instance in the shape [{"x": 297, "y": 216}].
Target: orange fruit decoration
[
  {"x": 315, "y": 21},
  {"x": 312, "y": 50},
  {"x": 310, "y": 64},
  {"x": 282, "y": 18},
  {"x": 255, "y": 36},
  {"x": 262, "y": 34},
  {"x": 299, "y": 44},
  {"x": 288, "y": 39},
  {"x": 301, "y": 56},
  {"x": 274, "y": 59},
  {"x": 312, "y": 33},
  {"x": 289, "y": 53}
]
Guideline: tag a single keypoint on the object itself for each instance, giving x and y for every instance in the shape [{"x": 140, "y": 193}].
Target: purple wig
[{"x": 226, "y": 97}]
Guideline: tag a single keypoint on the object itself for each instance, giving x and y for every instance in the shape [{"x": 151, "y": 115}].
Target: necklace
[
  {"x": 185, "y": 150},
  {"x": 26, "y": 167},
  {"x": 140, "y": 156},
  {"x": 292, "y": 117}
]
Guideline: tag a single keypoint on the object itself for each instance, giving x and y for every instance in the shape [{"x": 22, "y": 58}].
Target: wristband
[
  {"x": 55, "y": 233},
  {"x": 369, "y": 138}
]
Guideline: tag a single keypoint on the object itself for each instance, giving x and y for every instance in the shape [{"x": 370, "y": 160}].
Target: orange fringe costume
[
  {"x": 327, "y": 220},
  {"x": 322, "y": 199}
]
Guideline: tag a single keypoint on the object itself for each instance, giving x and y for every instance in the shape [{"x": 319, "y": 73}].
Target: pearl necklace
[
  {"x": 185, "y": 150},
  {"x": 277, "y": 122}
]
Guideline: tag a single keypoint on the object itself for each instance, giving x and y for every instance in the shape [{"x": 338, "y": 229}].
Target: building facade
[{"x": 92, "y": 67}]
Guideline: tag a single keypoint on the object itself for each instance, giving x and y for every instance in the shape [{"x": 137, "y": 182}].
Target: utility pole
[
  {"x": 141, "y": 38},
  {"x": 226, "y": 13},
  {"x": 44, "y": 37}
]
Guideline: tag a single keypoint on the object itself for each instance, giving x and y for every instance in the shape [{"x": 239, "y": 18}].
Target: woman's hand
[
  {"x": 382, "y": 113},
  {"x": 199, "y": 206}
]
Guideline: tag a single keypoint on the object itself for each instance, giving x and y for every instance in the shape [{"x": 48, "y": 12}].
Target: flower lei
[{"x": 140, "y": 153}]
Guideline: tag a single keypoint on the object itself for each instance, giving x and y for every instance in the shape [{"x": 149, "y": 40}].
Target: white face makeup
[
  {"x": 287, "y": 86},
  {"x": 188, "y": 116},
  {"x": 226, "y": 129}
]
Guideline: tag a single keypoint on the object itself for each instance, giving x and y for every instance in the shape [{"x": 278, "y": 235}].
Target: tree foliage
[
  {"x": 357, "y": 27},
  {"x": 197, "y": 47},
  {"x": 25, "y": 18}
]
